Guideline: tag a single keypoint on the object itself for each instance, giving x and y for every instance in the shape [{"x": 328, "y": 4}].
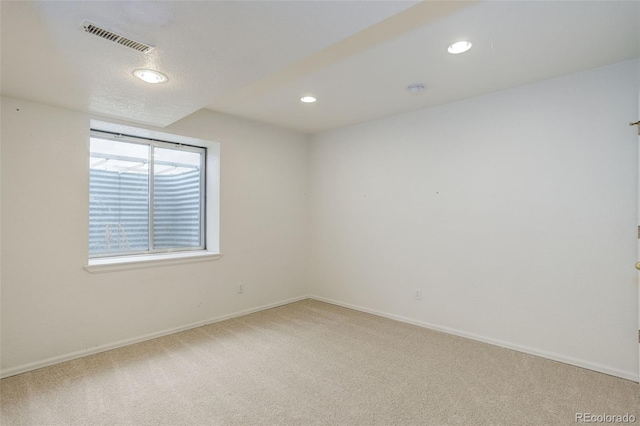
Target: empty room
[{"x": 319, "y": 212}]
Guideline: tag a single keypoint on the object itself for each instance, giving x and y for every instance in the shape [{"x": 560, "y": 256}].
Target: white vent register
[{"x": 116, "y": 38}]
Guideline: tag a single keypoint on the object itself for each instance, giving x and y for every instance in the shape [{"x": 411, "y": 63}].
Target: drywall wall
[
  {"x": 53, "y": 309},
  {"x": 513, "y": 212}
]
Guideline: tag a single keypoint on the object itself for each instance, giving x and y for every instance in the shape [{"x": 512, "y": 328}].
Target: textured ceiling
[
  {"x": 207, "y": 48},
  {"x": 256, "y": 58},
  {"x": 514, "y": 43}
]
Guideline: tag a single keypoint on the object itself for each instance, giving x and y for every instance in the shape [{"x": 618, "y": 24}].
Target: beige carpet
[{"x": 311, "y": 363}]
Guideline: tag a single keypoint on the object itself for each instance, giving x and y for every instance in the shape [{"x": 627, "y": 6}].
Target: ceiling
[{"x": 255, "y": 59}]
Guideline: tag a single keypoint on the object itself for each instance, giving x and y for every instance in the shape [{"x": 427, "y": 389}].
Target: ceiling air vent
[{"x": 117, "y": 38}]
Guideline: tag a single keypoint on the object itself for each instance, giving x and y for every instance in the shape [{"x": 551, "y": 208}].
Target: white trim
[
  {"x": 122, "y": 263},
  {"x": 629, "y": 375},
  {"x": 103, "y": 348}
]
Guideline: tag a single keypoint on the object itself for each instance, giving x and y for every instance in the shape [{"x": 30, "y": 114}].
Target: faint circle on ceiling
[{"x": 416, "y": 88}]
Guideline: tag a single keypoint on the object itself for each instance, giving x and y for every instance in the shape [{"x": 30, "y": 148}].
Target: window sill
[{"x": 112, "y": 264}]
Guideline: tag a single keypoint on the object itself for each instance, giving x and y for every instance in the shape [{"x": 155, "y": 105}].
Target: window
[{"x": 145, "y": 196}]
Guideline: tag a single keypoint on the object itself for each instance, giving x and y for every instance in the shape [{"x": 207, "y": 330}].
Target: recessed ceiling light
[
  {"x": 308, "y": 99},
  {"x": 459, "y": 47},
  {"x": 416, "y": 88},
  {"x": 150, "y": 76}
]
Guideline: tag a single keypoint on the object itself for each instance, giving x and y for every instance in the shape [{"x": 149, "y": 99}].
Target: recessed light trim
[
  {"x": 150, "y": 76},
  {"x": 459, "y": 47},
  {"x": 308, "y": 99}
]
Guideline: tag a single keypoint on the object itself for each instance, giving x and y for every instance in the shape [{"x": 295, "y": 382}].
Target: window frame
[{"x": 152, "y": 143}]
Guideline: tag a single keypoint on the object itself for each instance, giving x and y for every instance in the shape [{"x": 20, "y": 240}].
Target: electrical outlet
[
  {"x": 240, "y": 288},
  {"x": 417, "y": 294}
]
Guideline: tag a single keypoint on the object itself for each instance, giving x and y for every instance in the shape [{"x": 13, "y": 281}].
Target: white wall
[
  {"x": 52, "y": 308},
  {"x": 514, "y": 212}
]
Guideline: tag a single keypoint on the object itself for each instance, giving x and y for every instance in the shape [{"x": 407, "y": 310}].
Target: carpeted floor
[{"x": 312, "y": 363}]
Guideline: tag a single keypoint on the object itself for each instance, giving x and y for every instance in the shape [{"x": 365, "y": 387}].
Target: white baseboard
[
  {"x": 103, "y": 348},
  {"x": 629, "y": 375}
]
